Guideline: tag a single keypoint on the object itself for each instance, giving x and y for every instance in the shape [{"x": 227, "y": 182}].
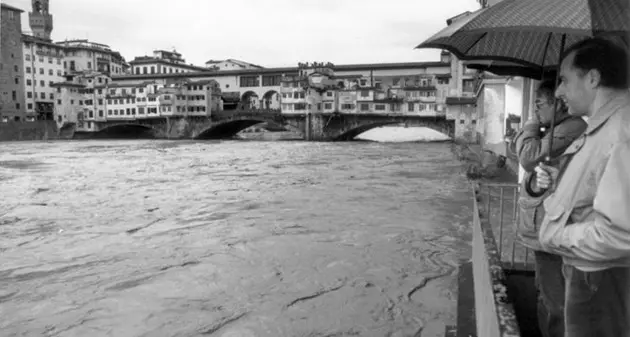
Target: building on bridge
[
  {"x": 230, "y": 64},
  {"x": 320, "y": 90},
  {"x": 90, "y": 102},
  {"x": 162, "y": 62}
]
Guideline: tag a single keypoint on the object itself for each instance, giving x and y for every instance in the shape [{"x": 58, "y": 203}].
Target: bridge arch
[
  {"x": 127, "y": 131},
  {"x": 250, "y": 100},
  {"x": 271, "y": 100},
  {"x": 228, "y": 129},
  {"x": 353, "y": 133},
  {"x": 445, "y": 127}
]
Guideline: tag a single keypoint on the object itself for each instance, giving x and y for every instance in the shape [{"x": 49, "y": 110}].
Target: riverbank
[{"x": 484, "y": 165}]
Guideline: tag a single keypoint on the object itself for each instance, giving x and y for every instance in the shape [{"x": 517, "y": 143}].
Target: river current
[{"x": 230, "y": 238}]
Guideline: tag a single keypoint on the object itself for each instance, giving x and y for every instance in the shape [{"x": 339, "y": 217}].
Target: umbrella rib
[
  {"x": 545, "y": 52},
  {"x": 474, "y": 43}
]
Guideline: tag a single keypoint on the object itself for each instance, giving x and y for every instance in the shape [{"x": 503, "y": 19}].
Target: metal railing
[
  {"x": 500, "y": 203},
  {"x": 494, "y": 311}
]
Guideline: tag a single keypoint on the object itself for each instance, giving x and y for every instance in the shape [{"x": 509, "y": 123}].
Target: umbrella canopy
[
  {"x": 531, "y": 32},
  {"x": 504, "y": 68}
]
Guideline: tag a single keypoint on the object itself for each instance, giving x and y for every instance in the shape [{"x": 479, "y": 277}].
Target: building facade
[
  {"x": 43, "y": 66},
  {"x": 84, "y": 55},
  {"x": 11, "y": 65}
]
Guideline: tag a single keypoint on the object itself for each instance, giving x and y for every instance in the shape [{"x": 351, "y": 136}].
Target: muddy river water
[{"x": 230, "y": 238}]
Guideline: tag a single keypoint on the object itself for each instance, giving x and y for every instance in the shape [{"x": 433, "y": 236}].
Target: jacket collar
[{"x": 606, "y": 110}]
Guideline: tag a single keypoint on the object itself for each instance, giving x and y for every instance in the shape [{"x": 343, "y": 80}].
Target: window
[
  {"x": 29, "y": 82},
  {"x": 50, "y": 72},
  {"x": 270, "y": 80},
  {"x": 29, "y": 106},
  {"x": 100, "y": 113},
  {"x": 52, "y": 96},
  {"x": 14, "y": 95},
  {"x": 365, "y": 107},
  {"x": 327, "y": 106},
  {"x": 58, "y": 102},
  {"x": 365, "y": 93},
  {"x": 379, "y": 107},
  {"x": 16, "y": 68},
  {"x": 17, "y": 80},
  {"x": 29, "y": 95},
  {"x": 28, "y": 57},
  {"x": 42, "y": 83},
  {"x": 28, "y": 70},
  {"x": 42, "y": 95},
  {"x": 91, "y": 114},
  {"x": 249, "y": 81},
  {"x": 50, "y": 60},
  {"x": 41, "y": 71},
  {"x": 410, "y": 107}
]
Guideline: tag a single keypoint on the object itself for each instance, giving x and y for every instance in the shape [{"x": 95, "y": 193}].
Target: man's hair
[
  {"x": 608, "y": 58},
  {"x": 547, "y": 89}
]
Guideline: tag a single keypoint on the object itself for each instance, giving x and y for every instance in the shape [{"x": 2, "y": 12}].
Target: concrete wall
[
  {"x": 38, "y": 130},
  {"x": 494, "y": 310},
  {"x": 493, "y": 116}
]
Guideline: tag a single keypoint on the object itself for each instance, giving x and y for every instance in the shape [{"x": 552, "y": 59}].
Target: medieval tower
[{"x": 41, "y": 21}]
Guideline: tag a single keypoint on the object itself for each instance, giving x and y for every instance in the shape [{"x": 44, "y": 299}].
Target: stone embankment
[{"x": 29, "y": 131}]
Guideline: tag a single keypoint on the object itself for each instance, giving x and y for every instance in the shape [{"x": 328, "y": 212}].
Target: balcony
[{"x": 48, "y": 53}]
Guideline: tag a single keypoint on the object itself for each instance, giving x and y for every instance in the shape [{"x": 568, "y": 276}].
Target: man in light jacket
[
  {"x": 531, "y": 145},
  {"x": 587, "y": 218}
]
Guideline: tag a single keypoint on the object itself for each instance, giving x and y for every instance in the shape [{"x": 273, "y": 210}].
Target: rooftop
[
  {"x": 287, "y": 70},
  {"x": 11, "y": 8}
]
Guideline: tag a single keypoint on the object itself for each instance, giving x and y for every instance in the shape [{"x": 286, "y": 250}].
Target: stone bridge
[
  {"x": 220, "y": 125},
  {"x": 226, "y": 124}
]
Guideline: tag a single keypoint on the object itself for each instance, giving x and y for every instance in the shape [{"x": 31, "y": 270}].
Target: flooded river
[{"x": 232, "y": 238}]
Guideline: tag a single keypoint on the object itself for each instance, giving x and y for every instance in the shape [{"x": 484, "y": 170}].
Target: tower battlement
[{"x": 40, "y": 19}]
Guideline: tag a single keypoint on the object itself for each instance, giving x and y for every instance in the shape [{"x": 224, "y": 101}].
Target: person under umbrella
[
  {"x": 531, "y": 145},
  {"x": 587, "y": 213}
]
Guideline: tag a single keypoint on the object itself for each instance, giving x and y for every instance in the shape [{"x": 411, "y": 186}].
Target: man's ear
[{"x": 593, "y": 78}]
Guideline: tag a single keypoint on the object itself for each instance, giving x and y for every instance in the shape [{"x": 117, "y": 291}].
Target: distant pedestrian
[
  {"x": 531, "y": 145},
  {"x": 587, "y": 217}
]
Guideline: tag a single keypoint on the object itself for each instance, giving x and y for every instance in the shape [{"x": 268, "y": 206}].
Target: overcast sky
[{"x": 271, "y": 33}]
